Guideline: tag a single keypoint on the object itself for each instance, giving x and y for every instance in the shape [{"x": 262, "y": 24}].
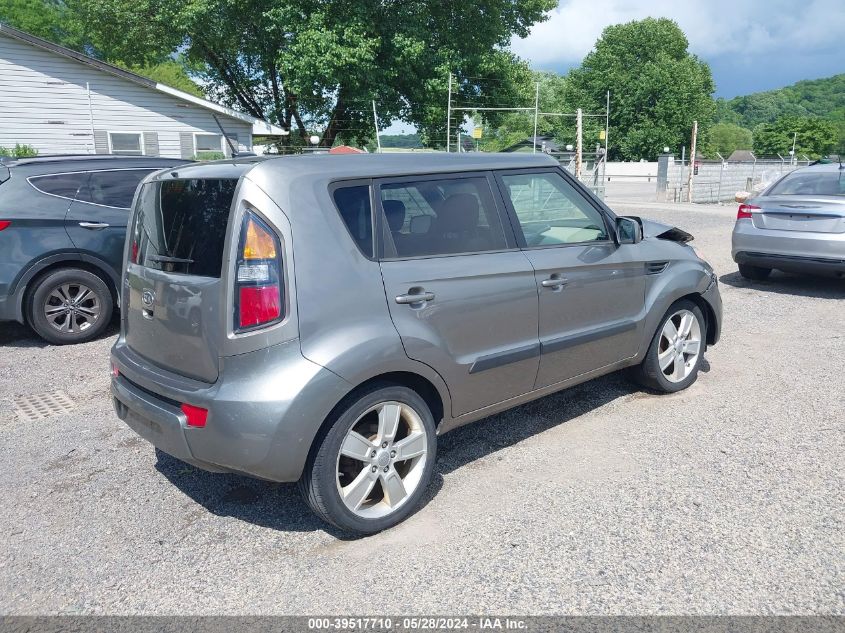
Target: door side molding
[
  {"x": 564, "y": 342},
  {"x": 491, "y": 361}
]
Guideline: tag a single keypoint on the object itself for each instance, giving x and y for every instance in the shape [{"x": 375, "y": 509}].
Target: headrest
[
  {"x": 394, "y": 210},
  {"x": 458, "y": 213}
]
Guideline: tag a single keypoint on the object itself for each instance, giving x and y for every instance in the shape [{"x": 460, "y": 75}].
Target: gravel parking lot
[{"x": 726, "y": 498}]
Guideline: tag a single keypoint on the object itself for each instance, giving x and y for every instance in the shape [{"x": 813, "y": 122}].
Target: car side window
[
  {"x": 354, "y": 205},
  {"x": 62, "y": 185},
  {"x": 441, "y": 217},
  {"x": 552, "y": 212},
  {"x": 113, "y": 188}
]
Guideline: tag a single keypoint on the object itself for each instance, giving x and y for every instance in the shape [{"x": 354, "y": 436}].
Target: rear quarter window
[
  {"x": 353, "y": 203},
  {"x": 62, "y": 185}
]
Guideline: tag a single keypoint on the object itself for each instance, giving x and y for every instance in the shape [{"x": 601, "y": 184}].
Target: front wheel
[
  {"x": 676, "y": 351},
  {"x": 374, "y": 463}
]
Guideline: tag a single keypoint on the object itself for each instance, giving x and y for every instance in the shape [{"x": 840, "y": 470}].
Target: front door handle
[
  {"x": 94, "y": 226},
  {"x": 415, "y": 297},
  {"x": 555, "y": 281}
]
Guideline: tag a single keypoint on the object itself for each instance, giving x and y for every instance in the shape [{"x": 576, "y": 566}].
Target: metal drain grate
[{"x": 42, "y": 405}]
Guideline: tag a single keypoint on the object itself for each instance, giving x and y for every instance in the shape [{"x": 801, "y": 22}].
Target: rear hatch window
[{"x": 180, "y": 225}]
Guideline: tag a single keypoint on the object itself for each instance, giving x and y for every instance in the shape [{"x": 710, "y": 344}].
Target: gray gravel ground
[{"x": 726, "y": 498}]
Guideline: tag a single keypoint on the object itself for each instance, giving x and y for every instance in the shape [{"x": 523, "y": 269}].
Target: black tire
[
  {"x": 319, "y": 481},
  {"x": 649, "y": 374},
  {"x": 84, "y": 327},
  {"x": 755, "y": 273}
]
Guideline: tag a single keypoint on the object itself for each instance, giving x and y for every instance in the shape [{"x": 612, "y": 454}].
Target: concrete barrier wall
[{"x": 719, "y": 182}]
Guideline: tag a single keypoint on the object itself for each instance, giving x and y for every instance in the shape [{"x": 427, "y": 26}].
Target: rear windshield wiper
[{"x": 163, "y": 259}]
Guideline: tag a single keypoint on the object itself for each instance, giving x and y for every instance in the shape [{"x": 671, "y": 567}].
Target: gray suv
[
  {"x": 62, "y": 229},
  {"x": 322, "y": 319}
]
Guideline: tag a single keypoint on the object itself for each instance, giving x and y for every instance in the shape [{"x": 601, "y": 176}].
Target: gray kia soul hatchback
[{"x": 322, "y": 319}]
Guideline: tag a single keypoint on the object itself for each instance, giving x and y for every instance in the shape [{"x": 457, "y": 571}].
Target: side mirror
[{"x": 628, "y": 231}]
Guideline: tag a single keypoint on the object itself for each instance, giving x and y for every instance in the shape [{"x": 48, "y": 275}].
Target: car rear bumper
[
  {"x": 264, "y": 411},
  {"x": 792, "y": 263},
  {"x": 788, "y": 245}
]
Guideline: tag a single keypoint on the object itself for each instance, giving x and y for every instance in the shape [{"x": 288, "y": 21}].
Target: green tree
[
  {"x": 812, "y": 136},
  {"x": 169, "y": 72},
  {"x": 658, "y": 88},
  {"x": 725, "y": 138},
  {"x": 60, "y": 22},
  {"x": 316, "y": 65},
  {"x": 52, "y": 20}
]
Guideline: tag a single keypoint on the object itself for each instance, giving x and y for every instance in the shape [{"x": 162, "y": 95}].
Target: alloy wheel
[
  {"x": 680, "y": 346},
  {"x": 71, "y": 308},
  {"x": 382, "y": 460}
]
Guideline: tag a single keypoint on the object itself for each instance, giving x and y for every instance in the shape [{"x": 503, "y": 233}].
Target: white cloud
[{"x": 713, "y": 27}]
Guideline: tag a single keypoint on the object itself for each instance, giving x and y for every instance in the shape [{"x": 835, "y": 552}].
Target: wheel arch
[
  {"x": 416, "y": 382},
  {"x": 36, "y": 271}
]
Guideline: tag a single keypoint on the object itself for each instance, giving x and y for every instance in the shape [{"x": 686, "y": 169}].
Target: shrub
[{"x": 19, "y": 151}]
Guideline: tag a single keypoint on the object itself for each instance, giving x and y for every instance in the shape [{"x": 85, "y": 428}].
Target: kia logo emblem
[{"x": 148, "y": 297}]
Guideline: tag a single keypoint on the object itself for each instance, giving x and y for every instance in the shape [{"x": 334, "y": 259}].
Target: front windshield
[{"x": 811, "y": 183}]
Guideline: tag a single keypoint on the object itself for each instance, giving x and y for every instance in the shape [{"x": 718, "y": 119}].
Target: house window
[
  {"x": 208, "y": 146},
  {"x": 126, "y": 143}
]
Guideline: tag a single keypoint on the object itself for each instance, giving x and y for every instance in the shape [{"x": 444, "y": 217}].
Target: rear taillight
[
  {"x": 745, "y": 210},
  {"x": 195, "y": 416},
  {"x": 258, "y": 277},
  {"x": 4, "y": 224}
]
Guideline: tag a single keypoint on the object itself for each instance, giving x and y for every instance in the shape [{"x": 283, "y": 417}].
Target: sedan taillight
[
  {"x": 258, "y": 276},
  {"x": 745, "y": 210},
  {"x": 4, "y": 224}
]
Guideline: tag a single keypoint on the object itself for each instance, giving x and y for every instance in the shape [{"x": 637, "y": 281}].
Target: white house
[{"x": 63, "y": 102}]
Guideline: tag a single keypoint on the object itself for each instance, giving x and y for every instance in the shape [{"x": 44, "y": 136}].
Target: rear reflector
[
  {"x": 4, "y": 224},
  {"x": 196, "y": 415},
  {"x": 259, "y": 304},
  {"x": 745, "y": 210},
  {"x": 115, "y": 372}
]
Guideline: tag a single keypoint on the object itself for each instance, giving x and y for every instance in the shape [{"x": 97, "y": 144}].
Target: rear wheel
[
  {"x": 69, "y": 306},
  {"x": 676, "y": 351},
  {"x": 374, "y": 464},
  {"x": 755, "y": 273}
]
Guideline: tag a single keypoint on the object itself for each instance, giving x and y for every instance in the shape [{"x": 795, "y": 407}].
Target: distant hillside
[{"x": 823, "y": 98}]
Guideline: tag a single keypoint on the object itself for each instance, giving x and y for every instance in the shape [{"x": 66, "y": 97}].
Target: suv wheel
[
  {"x": 375, "y": 462},
  {"x": 70, "y": 305},
  {"x": 755, "y": 273},
  {"x": 676, "y": 351}
]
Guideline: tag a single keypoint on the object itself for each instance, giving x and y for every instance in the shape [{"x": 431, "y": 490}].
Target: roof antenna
[{"x": 228, "y": 140}]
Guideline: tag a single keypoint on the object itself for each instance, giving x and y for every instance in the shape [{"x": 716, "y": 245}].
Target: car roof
[
  {"x": 43, "y": 165},
  {"x": 347, "y": 166}
]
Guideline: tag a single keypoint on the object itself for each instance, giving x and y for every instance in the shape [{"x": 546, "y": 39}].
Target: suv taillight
[
  {"x": 258, "y": 276},
  {"x": 745, "y": 210}
]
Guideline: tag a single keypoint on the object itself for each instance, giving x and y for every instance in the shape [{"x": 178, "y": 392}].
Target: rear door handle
[
  {"x": 555, "y": 281},
  {"x": 94, "y": 226},
  {"x": 412, "y": 298}
]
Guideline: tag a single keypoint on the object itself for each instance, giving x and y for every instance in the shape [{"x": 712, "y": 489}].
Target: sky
[{"x": 751, "y": 45}]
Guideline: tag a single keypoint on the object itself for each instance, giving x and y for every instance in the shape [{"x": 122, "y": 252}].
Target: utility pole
[
  {"x": 606, "y": 136},
  {"x": 449, "y": 116},
  {"x": 375, "y": 122},
  {"x": 692, "y": 160},
  {"x": 536, "y": 116},
  {"x": 578, "y": 142},
  {"x": 792, "y": 153}
]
